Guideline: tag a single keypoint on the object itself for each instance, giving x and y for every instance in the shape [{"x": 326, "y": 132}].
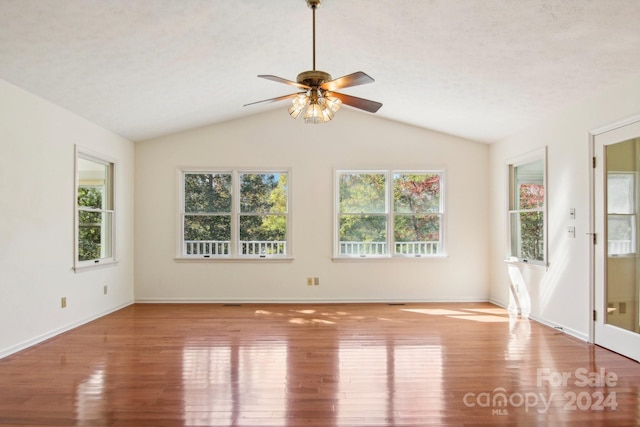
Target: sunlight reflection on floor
[
  {"x": 488, "y": 315},
  {"x": 484, "y": 319},
  {"x": 432, "y": 311}
]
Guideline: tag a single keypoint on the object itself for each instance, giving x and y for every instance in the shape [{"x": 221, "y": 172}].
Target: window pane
[
  {"x": 94, "y": 235},
  {"x": 93, "y": 178},
  {"x": 207, "y": 193},
  {"x": 620, "y": 193},
  {"x": 263, "y": 234},
  {"x": 207, "y": 228},
  {"x": 363, "y": 235},
  {"x": 527, "y": 235},
  {"x": 207, "y": 235},
  {"x": 621, "y": 234},
  {"x": 529, "y": 185},
  {"x": 362, "y": 193},
  {"x": 90, "y": 197},
  {"x": 417, "y": 234},
  {"x": 620, "y": 201},
  {"x": 416, "y": 193},
  {"x": 263, "y": 193}
]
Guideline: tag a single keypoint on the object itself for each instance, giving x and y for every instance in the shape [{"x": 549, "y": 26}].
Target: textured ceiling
[{"x": 480, "y": 69}]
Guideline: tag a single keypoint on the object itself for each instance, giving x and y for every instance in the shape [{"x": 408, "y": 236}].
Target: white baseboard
[
  {"x": 576, "y": 334},
  {"x": 40, "y": 338},
  {"x": 299, "y": 301}
]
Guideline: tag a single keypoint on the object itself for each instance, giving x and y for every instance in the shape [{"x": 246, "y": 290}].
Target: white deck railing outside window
[
  {"x": 417, "y": 248},
  {"x": 223, "y": 247},
  {"x": 276, "y": 247},
  {"x": 620, "y": 247},
  {"x": 380, "y": 248}
]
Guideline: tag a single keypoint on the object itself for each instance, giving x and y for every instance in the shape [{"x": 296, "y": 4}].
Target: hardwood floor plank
[{"x": 317, "y": 365}]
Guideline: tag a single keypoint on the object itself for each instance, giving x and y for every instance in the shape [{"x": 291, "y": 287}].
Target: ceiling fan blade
[
  {"x": 361, "y": 103},
  {"x": 279, "y": 98},
  {"x": 285, "y": 81},
  {"x": 354, "y": 79}
]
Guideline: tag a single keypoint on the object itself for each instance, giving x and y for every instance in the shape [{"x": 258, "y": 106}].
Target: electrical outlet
[
  {"x": 571, "y": 232},
  {"x": 105, "y": 289},
  {"x": 309, "y": 281},
  {"x": 63, "y": 302},
  {"x": 316, "y": 281}
]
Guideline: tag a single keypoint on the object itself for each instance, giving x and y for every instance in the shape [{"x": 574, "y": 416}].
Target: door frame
[{"x": 592, "y": 214}]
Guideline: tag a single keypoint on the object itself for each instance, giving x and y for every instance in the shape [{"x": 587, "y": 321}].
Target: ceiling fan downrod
[
  {"x": 314, "y": 4},
  {"x": 313, "y": 77}
]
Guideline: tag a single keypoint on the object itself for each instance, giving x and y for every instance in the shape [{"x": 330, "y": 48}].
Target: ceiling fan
[{"x": 318, "y": 99}]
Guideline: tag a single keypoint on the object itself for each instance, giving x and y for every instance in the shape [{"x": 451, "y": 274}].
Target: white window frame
[
  {"x": 536, "y": 155},
  {"x": 390, "y": 243},
  {"x": 110, "y": 196},
  {"x": 234, "y": 253}
]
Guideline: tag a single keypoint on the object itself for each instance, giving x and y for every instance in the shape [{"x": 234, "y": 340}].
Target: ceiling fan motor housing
[{"x": 313, "y": 78}]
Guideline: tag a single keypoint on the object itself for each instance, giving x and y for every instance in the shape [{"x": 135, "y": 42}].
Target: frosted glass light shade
[
  {"x": 333, "y": 103},
  {"x": 297, "y": 105},
  {"x": 313, "y": 115}
]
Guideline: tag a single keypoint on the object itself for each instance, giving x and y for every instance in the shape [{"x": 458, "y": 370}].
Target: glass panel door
[{"x": 616, "y": 261}]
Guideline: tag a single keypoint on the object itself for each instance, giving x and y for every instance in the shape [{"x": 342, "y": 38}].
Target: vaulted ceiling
[{"x": 480, "y": 69}]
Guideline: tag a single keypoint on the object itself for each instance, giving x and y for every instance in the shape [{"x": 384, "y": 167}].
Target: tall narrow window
[
  {"x": 527, "y": 210},
  {"x": 231, "y": 214},
  {"x": 207, "y": 214},
  {"x": 389, "y": 213},
  {"x": 95, "y": 231},
  {"x": 418, "y": 213},
  {"x": 621, "y": 216},
  {"x": 363, "y": 213},
  {"x": 263, "y": 214}
]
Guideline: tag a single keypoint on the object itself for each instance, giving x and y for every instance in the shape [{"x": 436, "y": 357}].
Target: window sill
[
  {"x": 521, "y": 263},
  {"x": 390, "y": 258},
  {"x": 94, "y": 265},
  {"x": 233, "y": 260},
  {"x": 622, "y": 256}
]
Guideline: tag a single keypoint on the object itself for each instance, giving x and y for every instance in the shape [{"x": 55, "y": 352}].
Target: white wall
[
  {"x": 36, "y": 221},
  {"x": 560, "y": 295},
  {"x": 351, "y": 140}
]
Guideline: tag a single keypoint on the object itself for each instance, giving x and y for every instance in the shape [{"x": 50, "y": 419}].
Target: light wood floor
[{"x": 317, "y": 365}]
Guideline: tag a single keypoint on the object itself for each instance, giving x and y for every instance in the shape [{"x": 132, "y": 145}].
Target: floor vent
[
  {"x": 232, "y": 305},
  {"x": 396, "y": 303}
]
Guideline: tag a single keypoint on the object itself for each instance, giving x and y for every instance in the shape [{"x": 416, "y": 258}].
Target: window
[
  {"x": 389, "y": 213},
  {"x": 207, "y": 214},
  {"x": 621, "y": 218},
  {"x": 95, "y": 214},
  {"x": 230, "y": 214},
  {"x": 527, "y": 209}
]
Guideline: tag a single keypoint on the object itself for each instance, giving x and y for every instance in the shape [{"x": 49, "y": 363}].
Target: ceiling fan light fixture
[
  {"x": 319, "y": 100},
  {"x": 298, "y": 104},
  {"x": 295, "y": 112},
  {"x": 327, "y": 114},
  {"x": 333, "y": 103},
  {"x": 314, "y": 115}
]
